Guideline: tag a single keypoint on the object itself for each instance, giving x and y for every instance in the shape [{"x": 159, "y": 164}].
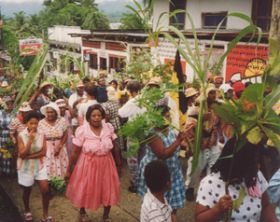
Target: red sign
[
  {"x": 246, "y": 61},
  {"x": 30, "y": 47}
]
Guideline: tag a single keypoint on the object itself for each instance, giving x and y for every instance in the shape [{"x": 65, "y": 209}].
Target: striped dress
[
  {"x": 31, "y": 166},
  {"x": 176, "y": 196}
]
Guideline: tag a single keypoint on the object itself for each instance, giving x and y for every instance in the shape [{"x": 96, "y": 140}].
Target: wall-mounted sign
[
  {"x": 30, "y": 47},
  {"x": 246, "y": 61}
]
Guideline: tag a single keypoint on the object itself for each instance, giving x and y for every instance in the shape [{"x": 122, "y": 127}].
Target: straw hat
[
  {"x": 44, "y": 84},
  {"x": 25, "y": 107},
  {"x": 51, "y": 105},
  {"x": 80, "y": 84},
  {"x": 210, "y": 88},
  {"x": 60, "y": 103},
  {"x": 154, "y": 81},
  {"x": 189, "y": 92}
]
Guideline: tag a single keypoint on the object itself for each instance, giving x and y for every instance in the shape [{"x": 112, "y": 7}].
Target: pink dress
[
  {"x": 94, "y": 181},
  {"x": 56, "y": 165}
]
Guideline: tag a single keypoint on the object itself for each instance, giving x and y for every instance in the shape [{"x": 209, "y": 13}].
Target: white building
[
  {"x": 245, "y": 61},
  {"x": 62, "y": 44}
]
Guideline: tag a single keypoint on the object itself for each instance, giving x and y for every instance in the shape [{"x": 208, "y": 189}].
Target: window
[
  {"x": 116, "y": 63},
  {"x": 93, "y": 61},
  {"x": 103, "y": 63},
  {"x": 261, "y": 13},
  {"x": 179, "y": 19},
  {"x": 212, "y": 20}
]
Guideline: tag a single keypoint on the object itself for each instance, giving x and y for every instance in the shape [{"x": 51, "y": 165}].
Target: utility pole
[{"x": 275, "y": 21}]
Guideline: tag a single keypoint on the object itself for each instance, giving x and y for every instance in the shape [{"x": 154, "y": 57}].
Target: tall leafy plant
[
  {"x": 29, "y": 82},
  {"x": 201, "y": 67}
]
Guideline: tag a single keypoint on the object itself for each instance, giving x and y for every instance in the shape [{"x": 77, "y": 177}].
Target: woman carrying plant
[
  {"x": 246, "y": 195},
  {"x": 94, "y": 181},
  {"x": 54, "y": 128},
  {"x": 30, "y": 164},
  {"x": 165, "y": 146}
]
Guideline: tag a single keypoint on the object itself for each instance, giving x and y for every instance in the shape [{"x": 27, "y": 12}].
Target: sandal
[
  {"x": 84, "y": 217},
  {"x": 106, "y": 220},
  {"x": 49, "y": 219},
  {"x": 28, "y": 216}
]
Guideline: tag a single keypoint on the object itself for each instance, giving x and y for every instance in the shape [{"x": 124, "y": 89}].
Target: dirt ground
[{"x": 127, "y": 210}]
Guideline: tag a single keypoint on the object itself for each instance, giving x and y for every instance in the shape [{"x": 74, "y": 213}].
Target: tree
[
  {"x": 131, "y": 21},
  {"x": 82, "y": 13}
]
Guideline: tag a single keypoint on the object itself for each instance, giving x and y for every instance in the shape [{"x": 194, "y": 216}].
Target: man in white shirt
[
  {"x": 155, "y": 207},
  {"x": 79, "y": 94},
  {"x": 130, "y": 110},
  {"x": 91, "y": 91}
]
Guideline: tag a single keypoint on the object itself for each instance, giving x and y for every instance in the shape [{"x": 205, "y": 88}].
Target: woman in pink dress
[
  {"x": 94, "y": 181},
  {"x": 55, "y": 130}
]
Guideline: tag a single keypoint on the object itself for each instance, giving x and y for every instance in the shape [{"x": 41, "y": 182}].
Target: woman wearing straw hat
[
  {"x": 55, "y": 129},
  {"x": 41, "y": 97}
]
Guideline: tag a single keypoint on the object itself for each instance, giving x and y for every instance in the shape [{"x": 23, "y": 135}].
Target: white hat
[
  {"x": 60, "y": 103},
  {"x": 209, "y": 89},
  {"x": 4, "y": 84},
  {"x": 25, "y": 107},
  {"x": 190, "y": 92},
  {"x": 225, "y": 87},
  {"x": 51, "y": 105}
]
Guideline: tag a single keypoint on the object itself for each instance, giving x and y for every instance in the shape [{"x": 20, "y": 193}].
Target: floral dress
[
  {"x": 56, "y": 165},
  {"x": 176, "y": 196}
]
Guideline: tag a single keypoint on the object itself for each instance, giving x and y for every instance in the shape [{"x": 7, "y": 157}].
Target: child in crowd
[
  {"x": 155, "y": 207},
  {"x": 30, "y": 164}
]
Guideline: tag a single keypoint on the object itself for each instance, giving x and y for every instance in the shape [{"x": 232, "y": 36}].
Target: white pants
[{"x": 207, "y": 158}]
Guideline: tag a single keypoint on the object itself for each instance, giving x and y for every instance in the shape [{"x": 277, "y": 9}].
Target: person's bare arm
[
  {"x": 268, "y": 211},
  {"x": 206, "y": 214},
  {"x": 40, "y": 153}
]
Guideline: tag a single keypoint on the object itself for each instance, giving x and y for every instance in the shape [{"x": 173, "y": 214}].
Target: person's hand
[
  {"x": 57, "y": 150},
  {"x": 207, "y": 116},
  {"x": 32, "y": 135},
  {"x": 67, "y": 175},
  {"x": 225, "y": 203},
  {"x": 186, "y": 133}
]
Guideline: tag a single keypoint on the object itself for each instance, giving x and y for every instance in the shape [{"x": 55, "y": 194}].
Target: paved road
[{"x": 8, "y": 212}]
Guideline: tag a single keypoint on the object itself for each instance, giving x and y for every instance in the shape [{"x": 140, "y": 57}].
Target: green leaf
[
  {"x": 272, "y": 98},
  {"x": 273, "y": 136},
  {"x": 237, "y": 203},
  {"x": 254, "y": 135},
  {"x": 226, "y": 112}
]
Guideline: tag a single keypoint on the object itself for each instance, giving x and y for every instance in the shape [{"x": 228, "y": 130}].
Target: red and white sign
[
  {"x": 30, "y": 47},
  {"x": 246, "y": 61}
]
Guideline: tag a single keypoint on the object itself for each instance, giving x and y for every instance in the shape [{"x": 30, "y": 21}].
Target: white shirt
[
  {"x": 82, "y": 110},
  {"x": 73, "y": 98},
  {"x": 152, "y": 210},
  {"x": 131, "y": 109}
]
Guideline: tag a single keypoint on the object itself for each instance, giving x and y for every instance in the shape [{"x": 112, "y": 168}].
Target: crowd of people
[{"x": 75, "y": 137}]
